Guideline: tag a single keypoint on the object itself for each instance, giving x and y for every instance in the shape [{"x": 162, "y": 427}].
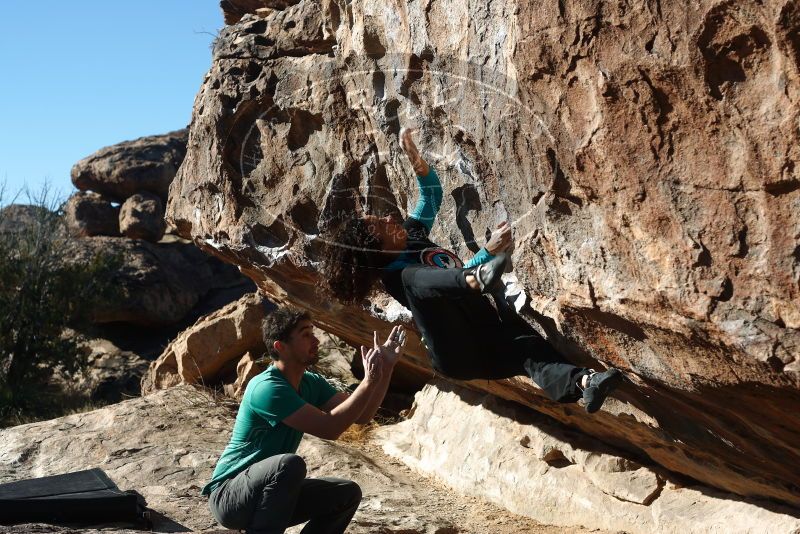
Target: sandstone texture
[
  {"x": 142, "y": 217},
  {"x": 226, "y": 348},
  {"x": 211, "y": 346},
  {"x": 165, "y": 447},
  {"x": 90, "y": 214},
  {"x": 645, "y": 153},
  {"x": 234, "y": 10},
  {"x": 538, "y": 468},
  {"x": 122, "y": 170}
]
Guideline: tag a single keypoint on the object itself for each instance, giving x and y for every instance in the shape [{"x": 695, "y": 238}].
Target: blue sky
[{"x": 78, "y": 76}]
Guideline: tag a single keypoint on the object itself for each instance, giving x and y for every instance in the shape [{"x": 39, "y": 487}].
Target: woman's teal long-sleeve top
[{"x": 425, "y": 211}]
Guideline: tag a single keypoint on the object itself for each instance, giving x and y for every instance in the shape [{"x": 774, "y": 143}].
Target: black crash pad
[{"x": 84, "y": 496}]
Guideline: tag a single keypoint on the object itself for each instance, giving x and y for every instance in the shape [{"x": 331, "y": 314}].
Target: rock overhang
[{"x": 651, "y": 216}]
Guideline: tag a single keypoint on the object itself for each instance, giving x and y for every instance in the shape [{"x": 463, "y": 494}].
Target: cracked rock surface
[{"x": 645, "y": 153}]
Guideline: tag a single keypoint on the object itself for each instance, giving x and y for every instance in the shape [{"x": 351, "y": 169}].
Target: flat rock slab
[
  {"x": 165, "y": 446},
  {"x": 483, "y": 446}
]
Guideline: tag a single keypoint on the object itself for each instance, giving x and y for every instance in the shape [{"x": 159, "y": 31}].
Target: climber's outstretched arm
[
  {"x": 407, "y": 143},
  {"x": 430, "y": 188}
]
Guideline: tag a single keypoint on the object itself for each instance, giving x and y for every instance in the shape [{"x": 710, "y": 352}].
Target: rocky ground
[{"x": 165, "y": 446}]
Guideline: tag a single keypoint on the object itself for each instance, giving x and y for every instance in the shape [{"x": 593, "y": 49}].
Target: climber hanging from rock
[{"x": 466, "y": 337}]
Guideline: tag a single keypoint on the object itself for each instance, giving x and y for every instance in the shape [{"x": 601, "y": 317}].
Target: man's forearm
[
  {"x": 352, "y": 408},
  {"x": 376, "y": 397}
]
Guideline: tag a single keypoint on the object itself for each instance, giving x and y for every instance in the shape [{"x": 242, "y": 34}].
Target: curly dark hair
[
  {"x": 279, "y": 325},
  {"x": 351, "y": 260}
]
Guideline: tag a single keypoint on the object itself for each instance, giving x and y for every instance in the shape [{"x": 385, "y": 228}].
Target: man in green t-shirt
[{"x": 259, "y": 484}]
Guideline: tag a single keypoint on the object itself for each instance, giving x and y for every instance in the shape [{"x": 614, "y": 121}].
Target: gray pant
[{"x": 274, "y": 494}]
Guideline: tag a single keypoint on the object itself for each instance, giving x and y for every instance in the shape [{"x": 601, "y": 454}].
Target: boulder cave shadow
[
  {"x": 761, "y": 456},
  {"x": 150, "y": 341}
]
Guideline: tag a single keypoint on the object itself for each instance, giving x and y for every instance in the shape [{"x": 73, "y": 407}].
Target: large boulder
[
  {"x": 141, "y": 216},
  {"x": 144, "y": 164},
  {"x": 212, "y": 346},
  {"x": 540, "y": 469},
  {"x": 234, "y": 10},
  {"x": 648, "y": 159},
  {"x": 89, "y": 214},
  {"x": 226, "y": 347},
  {"x": 160, "y": 283}
]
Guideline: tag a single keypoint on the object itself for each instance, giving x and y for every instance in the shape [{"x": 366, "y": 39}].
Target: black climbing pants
[
  {"x": 274, "y": 494},
  {"x": 468, "y": 338}
]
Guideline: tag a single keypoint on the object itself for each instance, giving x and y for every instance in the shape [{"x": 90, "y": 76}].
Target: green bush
[{"x": 43, "y": 291}]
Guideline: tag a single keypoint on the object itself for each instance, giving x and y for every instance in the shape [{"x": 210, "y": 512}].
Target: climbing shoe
[
  {"x": 490, "y": 274},
  {"x": 599, "y": 386}
]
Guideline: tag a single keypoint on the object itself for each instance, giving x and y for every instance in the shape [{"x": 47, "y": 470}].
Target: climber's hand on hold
[
  {"x": 408, "y": 146},
  {"x": 500, "y": 239}
]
